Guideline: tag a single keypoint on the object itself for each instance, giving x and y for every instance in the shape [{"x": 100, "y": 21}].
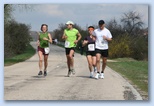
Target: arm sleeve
[
  {"x": 109, "y": 34},
  {"x": 65, "y": 32}
]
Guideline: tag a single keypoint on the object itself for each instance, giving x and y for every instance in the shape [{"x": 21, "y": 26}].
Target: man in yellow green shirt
[{"x": 71, "y": 37}]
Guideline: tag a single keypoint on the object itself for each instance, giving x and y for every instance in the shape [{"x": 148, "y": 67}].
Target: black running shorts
[
  {"x": 92, "y": 53},
  {"x": 67, "y": 50},
  {"x": 103, "y": 53}
]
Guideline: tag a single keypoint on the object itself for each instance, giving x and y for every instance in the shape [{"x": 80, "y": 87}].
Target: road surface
[{"x": 21, "y": 81}]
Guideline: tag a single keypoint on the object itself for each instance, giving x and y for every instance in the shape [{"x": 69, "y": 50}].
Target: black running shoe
[
  {"x": 69, "y": 73},
  {"x": 45, "y": 73},
  {"x": 40, "y": 73}
]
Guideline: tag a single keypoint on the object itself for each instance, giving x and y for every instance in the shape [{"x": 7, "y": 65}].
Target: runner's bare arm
[
  {"x": 84, "y": 42},
  {"x": 50, "y": 38},
  {"x": 79, "y": 37},
  {"x": 106, "y": 38},
  {"x": 94, "y": 38},
  {"x": 64, "y": 37}
]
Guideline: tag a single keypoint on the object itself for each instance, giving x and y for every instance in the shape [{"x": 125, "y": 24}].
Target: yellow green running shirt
[
  {"x": 71, "y": 37},
  {"x": 44, "y": 43}
]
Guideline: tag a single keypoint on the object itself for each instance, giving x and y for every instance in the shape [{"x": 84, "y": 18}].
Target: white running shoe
[
  {"x": 97, "y": 75},
  {"x": 101, "y": 76}
]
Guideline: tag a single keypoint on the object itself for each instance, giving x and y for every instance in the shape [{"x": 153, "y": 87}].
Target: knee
[
  {"x": 94, "y": 64},
  {"x": 70, "y": 56},
  {"x": 90, "y": 65},
  {"x": 40, "y": 60},
  {"x": 105, "y": 62},
  {"x": 97, "y": 60}
]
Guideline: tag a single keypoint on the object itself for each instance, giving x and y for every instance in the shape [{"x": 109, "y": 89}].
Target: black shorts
[
  {"x": 67, "y": 50},
  {"x": 92, "y": 53},
  {"x": 103, "y": 53}
]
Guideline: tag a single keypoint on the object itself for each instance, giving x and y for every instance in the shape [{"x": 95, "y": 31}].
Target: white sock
[
  {"x": 91, "y": 73},
  {"x": 102, "y": 73},
  {"x": 95, "y": 69}
]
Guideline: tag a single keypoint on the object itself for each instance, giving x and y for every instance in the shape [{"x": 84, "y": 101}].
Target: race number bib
[
  {"x": 91, "y": 47},
  {"x": 67, "y": 44},
  {"x": 47, "y": 50}
]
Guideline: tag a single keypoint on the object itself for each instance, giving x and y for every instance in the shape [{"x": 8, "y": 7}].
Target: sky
[{"x": 81, "y": 14}]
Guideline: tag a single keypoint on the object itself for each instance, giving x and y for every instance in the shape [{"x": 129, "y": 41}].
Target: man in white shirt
[{"x": 102, "y": 36}]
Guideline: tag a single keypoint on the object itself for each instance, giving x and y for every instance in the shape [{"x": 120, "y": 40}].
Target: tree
[
  {"x": 16, "y": 35},
  {"x": 132, "y": 22},
  {"x": 7, "y": 13},
  {"x": 115, "y": 28}
]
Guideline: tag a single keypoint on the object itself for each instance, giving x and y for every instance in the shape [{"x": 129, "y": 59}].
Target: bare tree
[{"x": 132, "y": 22}]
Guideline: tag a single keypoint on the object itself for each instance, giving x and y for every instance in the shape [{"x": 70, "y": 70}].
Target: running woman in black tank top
[{"x": 89, "y": 42}]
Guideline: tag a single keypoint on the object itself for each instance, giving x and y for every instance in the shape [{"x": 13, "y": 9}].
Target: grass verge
[
  {"x": 136, "y": 72},
  {"x": 29, "y": 52}
]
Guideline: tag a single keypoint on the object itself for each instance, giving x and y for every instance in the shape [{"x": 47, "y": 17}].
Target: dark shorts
[
  {"x": 67, "y": 50},
  {"x": 103, "y": 53},
  {"x": 92, "y": 53},
  {"x": 42, "y": 50}
]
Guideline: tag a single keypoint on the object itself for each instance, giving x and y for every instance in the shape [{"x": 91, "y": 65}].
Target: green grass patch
[
  {"x": 135, "y": 71},
  {"x": 29, "y": 52}
]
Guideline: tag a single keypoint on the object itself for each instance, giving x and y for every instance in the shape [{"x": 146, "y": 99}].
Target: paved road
[{"x": 22, "y": 83}]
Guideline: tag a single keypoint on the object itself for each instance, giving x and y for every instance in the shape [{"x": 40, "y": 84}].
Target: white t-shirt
[{"x": 100, "y": 42}]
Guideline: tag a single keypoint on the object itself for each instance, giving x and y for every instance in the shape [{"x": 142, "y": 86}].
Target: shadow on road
[
  {"x": 37, "y": 76},
  {"x": 74, "y": 76},
  {"x": 85, "y": 77}
]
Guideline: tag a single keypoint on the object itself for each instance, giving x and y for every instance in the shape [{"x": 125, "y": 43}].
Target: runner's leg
[
  {"x": 45, "y": 62},
  {"x": 71, "y": 59},
  {"x": 104, "y": 63},
  {"x": 94, "y": 63},
  {"x": 68, "y": 61},
  {"x": 89, "y": 59},
  {"x": 40, "y": 54},
  {"x": 98, "y": 57}
]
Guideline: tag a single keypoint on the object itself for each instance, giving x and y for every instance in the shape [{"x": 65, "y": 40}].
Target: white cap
[{"x": 69, "y": 22}]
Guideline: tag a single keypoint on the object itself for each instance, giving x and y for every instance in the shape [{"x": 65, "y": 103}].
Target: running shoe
[
  {"x": 40, "y": 73},
  {"x": 45, "y": 73},
  {"x": 69, "y": 73},
  {"x": 73, "y": 71},
  {"x": 91, "y": 75},
  {"x": 97, "y": 75},
  {"x": 101, "y": 76}
]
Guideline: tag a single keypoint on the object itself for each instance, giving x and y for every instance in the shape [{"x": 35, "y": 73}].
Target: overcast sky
[{"x": 81, "y": 14}]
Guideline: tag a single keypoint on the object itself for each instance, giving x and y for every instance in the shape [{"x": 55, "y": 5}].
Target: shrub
[
  {"x": 120, "y": 47},
  {"x": 16, "y": 38}
]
